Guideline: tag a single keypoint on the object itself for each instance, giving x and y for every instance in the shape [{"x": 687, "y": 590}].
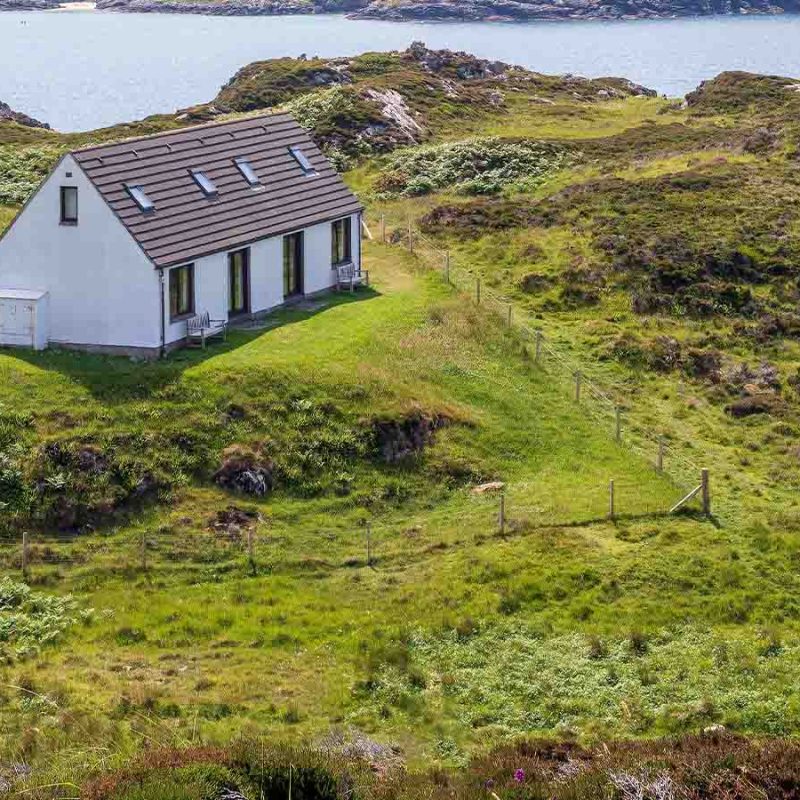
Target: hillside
[
  {"x": 7, "y": 114},
  {"x": 489, "y": 10},
  {"x": 522, "y": 10},
  {"x": 370, "y": 604}
]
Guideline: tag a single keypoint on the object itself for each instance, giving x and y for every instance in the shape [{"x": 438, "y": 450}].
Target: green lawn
[{"x": 198, "y": 643}]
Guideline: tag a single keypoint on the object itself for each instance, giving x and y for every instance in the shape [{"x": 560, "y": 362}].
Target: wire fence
[
  {"x": 608, "y": 405},
  {"x": 248, "y": 541},
  {"x": 244, "y": 541}
]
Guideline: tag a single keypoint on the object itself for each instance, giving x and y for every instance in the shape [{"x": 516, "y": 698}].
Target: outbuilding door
[{"x": 16, "y": 322}]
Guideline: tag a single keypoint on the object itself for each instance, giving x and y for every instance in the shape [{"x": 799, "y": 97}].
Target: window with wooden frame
[
  {"x": 293, "y": 277},
  {"x": 181, "y": 292},
  {"x": 239, "y": 282},
  {"x": 69, "y": 205},
  {"x": 341, "y": 241}
]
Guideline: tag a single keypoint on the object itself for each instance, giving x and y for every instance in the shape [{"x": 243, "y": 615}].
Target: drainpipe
[
  {"x": 163, "y": 349},
  {"x": 358, "y": 238}
]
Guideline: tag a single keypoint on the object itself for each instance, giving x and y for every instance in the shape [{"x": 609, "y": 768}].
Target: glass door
[
  {"x": 293, "y": 264},
  {"x": 239, "y": 282}
]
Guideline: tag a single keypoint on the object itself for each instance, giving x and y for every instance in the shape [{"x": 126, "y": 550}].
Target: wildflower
[
  {"x": 519, "y": 776},
  {"x": 489, "y": 784}
]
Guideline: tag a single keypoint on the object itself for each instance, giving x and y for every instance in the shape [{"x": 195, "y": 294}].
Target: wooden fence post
[
  {"x": 618, "y": 424},
  {"x": 706, "y": 492},
  {"x": 611, "y": 499},
  {"x": 478, "y": 291},
  {"x": 578, "y": 386},
  {"x": 143, "y": 550},
  {"x": 501, "y": 519},
  {"x": 538, "y": 345},
  {"x": 24, "y": 554},
  {"x": 660, "y": 461},
  {"x": 510, "y": 307},
  {"x": 383, "y": 228}
]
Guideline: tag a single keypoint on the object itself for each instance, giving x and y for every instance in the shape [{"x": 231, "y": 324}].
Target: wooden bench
[
  {"x": 200, "y": 328},
  {"x": 347, "y": 275}
]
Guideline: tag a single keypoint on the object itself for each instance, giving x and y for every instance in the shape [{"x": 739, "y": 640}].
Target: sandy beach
[{"x": 81, "y": 5}]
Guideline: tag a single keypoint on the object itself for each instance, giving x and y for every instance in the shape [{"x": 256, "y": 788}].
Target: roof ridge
[{"x": 178, "y": 131}]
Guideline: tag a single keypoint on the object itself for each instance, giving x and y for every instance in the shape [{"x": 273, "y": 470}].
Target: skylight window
[
  {"x": 204, "y": 182},
  {"x": 247, "y": 171},
  {"x": 139, "y": 197},
  {"x": 301, "y": 158}
]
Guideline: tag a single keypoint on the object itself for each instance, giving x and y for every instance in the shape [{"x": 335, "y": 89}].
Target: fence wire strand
[
  {"x": 347, "y": 544},
  {"x": 683, "y": 471}
]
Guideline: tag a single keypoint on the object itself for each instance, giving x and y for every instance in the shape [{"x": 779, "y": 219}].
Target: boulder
[
  {"x": 492, "y": 486},
  {"x": 245, "y": 470},
  {"x": 755, "y": 404},
  {"x": 400, "y": 438},
  {"x": 233, "y": 521}
]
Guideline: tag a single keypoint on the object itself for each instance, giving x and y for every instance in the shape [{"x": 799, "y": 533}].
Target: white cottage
[{"x": 130, "y": 242}]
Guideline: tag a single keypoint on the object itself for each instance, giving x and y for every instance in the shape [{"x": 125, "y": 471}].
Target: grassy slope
[
  {"x": 458, "y": 638},
  {"x": 754, "y": 463},
  {"x": 410, "y": 343}
]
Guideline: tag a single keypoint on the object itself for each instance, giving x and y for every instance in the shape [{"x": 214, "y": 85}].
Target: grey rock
[
  {"x": 8, "y": 115},
  {"x": 520, "y": 10}
]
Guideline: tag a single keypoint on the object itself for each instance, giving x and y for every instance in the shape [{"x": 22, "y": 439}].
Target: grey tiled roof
[{"x": 186, "y": 224}]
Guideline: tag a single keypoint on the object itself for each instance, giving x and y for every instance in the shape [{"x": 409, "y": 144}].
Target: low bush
[
  {"x": 756, "y": 404},
  {"x": 21, "y": 170},
  {"x": 478, "y": 217},
  {"x": 345, "y": 125},
  {"x": 474, "y": 166},
  {"x": 714, "y": 765},
  {"x": 247, "y": 769},
  {"x": 31, "y": 620}
]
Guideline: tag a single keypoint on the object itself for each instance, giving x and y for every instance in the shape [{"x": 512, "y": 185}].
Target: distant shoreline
[
  {"x": 78, "y": 5},
  {"x": 425, "y": 10}
]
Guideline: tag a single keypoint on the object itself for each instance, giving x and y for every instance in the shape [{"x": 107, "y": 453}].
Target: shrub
[
  {"x": 638, "y": 643},
  {"x": 757, "y": 404},
  {"x": 31, "y": 620},
  {"x": 474, "y": 166},
  {"x": 21, "y": 171}
]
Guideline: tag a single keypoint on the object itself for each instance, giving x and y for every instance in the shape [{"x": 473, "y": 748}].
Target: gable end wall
[{"x": 104, "y": 292}]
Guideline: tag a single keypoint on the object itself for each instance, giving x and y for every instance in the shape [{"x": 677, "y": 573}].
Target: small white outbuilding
[{"x": 24, "y": 318}]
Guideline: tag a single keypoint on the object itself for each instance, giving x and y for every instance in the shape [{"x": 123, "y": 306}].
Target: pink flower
[{"x": 519, "y": 776}]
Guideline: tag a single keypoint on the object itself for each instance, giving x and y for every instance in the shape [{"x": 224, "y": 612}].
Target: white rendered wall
[
  {"x": 210, "y": 294},
  {"x": 266, "y": 275},
  {"x": 103, "y": 290},
  {"x": 319, "y": 273}
]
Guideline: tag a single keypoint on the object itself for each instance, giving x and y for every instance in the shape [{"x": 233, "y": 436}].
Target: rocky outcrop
[
  {"x": 465, "y": 10},
  {"x": 232, "y": 8},
  {"x": 244, "y": 469},
  {"x": 28, "y": 5},
  {"x": 521, "y": 10},
  {"x": 393, "y": 108},
  {"x": 8, "y": 115}
]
